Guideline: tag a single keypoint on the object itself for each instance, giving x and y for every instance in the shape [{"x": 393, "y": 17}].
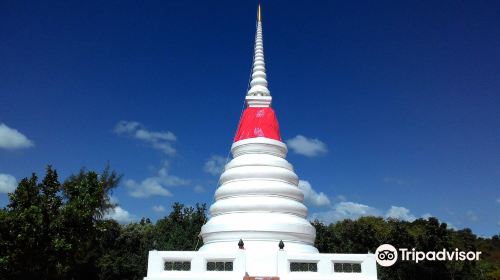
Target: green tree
[
  {"x": 26, "y": 243},
  {"x": 125, "y": 250},
  {"x": 57, "y": 231},
  {"x": 48, "y": 230},
  {"x": 181, "y": 228},
  {"x": 87, "y": 200}
]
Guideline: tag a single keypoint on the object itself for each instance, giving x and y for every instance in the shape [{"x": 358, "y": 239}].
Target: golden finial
[{"x": 258, "y": 14}]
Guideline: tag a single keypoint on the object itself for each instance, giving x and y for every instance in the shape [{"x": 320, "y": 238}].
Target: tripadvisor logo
[{"x": 387, "y": 255}]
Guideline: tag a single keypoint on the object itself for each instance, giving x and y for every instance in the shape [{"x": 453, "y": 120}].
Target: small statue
[{"x": 281, "y": 245}]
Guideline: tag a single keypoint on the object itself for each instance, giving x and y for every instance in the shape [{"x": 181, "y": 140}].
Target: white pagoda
[{"x": 258, "y": 227}]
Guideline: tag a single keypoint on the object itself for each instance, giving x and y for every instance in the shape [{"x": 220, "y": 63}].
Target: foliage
[
  {"x": 53, "y": 230},
  {"x": 49, "y": 229},
  {"x": 367, "y": 233},
  {"x": 180, "y": 229},
  {"x": 125, "y": 249}
]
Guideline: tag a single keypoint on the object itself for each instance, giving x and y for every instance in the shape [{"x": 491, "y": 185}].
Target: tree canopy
[{"x": 53, "y": 230}]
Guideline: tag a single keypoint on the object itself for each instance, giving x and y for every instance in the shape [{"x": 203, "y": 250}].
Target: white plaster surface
[{"x": 258, "y": 201}]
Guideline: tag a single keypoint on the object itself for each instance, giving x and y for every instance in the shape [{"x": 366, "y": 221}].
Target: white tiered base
[{"x": 255, "y": 263}]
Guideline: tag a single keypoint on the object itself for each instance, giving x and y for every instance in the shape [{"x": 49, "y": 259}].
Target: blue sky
[{"x": 389, "y": 107}]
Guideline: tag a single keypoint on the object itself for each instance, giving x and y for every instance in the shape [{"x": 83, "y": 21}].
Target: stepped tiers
[
  {"x": 258, "y": 227},
  {"x": 258, "y": 201}
]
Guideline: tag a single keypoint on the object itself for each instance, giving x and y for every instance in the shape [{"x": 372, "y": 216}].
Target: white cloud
[
  {"x": 8, "y": 183},
  {"x": 199, "y": 189},
  {"x": 353, "y": 210},
  {"x": 498, "y": 200},
  {"x": 342, "y": 209},
  {"x": 11, "y": 138},
  {"x": 159, "y": 208},
  {"x": 400, "y": 213},
  {"x": 119, "y": 214},
  {"x": 427, "y": 216},
  {"x": 450, "y": 225},
  {"x": 346, "y": 210},
  {"x": 472, "y": 216},
  {"x": 311, "y": 196},
  {"x": 340, "y": 198},
  {"x": 155, "y": 185},
  {"x": 215, "y": 165},
  {"x": 113, "y": 199},
  {"x": 307, "y": 146},
  {"x": 148, "y": 187},
  {"x": 160, "y": 140}
]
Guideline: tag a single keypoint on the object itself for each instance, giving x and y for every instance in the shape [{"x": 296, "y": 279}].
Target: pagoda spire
[{"x": 258, "y": 95}]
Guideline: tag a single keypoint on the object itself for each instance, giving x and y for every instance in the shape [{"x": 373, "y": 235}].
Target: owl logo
[{"x": 386, "y": 255}]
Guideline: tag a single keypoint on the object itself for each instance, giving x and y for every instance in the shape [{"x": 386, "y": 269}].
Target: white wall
[{"x": 277, "y": 264}]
